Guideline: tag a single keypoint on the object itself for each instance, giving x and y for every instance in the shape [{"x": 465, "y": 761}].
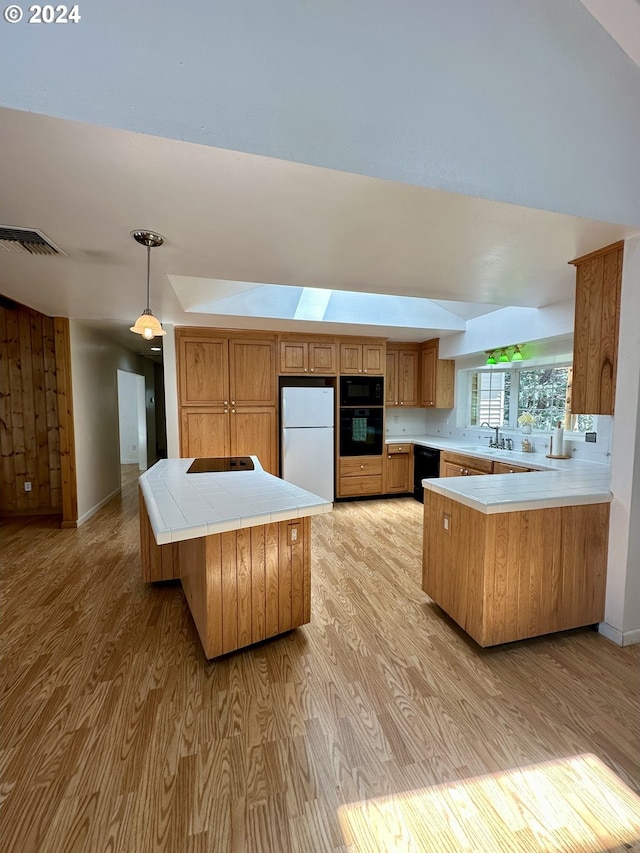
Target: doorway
[{"x": 132, "y": 425}]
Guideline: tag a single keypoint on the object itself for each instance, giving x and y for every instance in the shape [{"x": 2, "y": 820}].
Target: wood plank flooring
[{"x": 117, "y": 735}]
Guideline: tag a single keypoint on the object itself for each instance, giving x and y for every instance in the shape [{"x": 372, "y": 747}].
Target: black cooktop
[{"x": 221, "y": 463}]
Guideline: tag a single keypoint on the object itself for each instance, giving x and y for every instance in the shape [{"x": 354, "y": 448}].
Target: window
[{"x": 499, "y": 397}]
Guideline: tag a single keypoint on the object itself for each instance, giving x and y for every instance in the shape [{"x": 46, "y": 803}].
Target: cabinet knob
[
  {"x": 233, "y": 402},
  {"x": 233, "y": 411},
  {"x": 360, "y": 371},
  {"x": 312, "y": 370},
  {"x": 402, "y": 404},
  {"x": 226, "y": 402},
  {"x": 399, "y": 449},
  {"x": 305, "y": 370},
  {"x": 396, "y": 403},
  {"x": 462, "y": 470},
  {"x": 362, "y": 466},
  {"x": 225, "y": 411},
  {"x": 365, "y": 370}
]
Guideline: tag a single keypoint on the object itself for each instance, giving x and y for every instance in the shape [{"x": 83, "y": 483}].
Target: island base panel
[
  {"x": 247, "y": 585},
  {"x": 159, "y": 562},
  {"x": 507, "y": 576}
]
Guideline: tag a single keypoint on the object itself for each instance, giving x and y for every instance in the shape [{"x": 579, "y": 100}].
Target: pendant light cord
[{"x": 148, "y": 274}]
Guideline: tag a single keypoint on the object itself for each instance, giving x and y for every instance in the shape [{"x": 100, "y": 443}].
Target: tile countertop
[
  {"x": 185, "y": 506},
  {"x": 560, "y": 482}
]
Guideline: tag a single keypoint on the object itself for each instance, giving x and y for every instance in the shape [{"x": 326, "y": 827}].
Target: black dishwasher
[{"x": 426, "y": 464}]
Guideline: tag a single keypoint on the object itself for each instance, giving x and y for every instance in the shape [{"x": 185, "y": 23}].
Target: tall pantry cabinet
[{"x": 228, "y": 395}]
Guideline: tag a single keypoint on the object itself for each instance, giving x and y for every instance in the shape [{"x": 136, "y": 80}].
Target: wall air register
[{"x": 26, "y": 241}]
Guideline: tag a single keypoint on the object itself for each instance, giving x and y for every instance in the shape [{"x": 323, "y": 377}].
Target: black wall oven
[
  {"x": 361, "y": 391},
  {"x": 361, "y": 431}
]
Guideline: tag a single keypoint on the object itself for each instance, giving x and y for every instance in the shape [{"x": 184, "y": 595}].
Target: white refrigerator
[{"x": 307, "y": 448}]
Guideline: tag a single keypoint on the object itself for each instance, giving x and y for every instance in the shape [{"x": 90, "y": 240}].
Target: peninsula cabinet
[
  {"x": 227, "y": 394},
  {"x": 358, "y": 356},
  {"x": 398, "y": 469},
  {"x": 510, "y": 575},
  {"x": 459, "y": 465},
  {"x": 595, "y": 340},
  {"x": 437, "y": 377},
  {"x": 401, "y": 376},
  {"x": 308, "y": 356}
]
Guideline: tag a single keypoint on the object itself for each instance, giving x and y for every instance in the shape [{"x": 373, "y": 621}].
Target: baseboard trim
[
  {"x": 87, "y": 515},
  {"x": 620, "y": 638}
]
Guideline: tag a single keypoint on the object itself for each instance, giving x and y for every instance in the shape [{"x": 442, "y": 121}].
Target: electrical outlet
[
  {"x": 293, "y": 533},
  {"x": 27, "y": 485},
  {"x": 396, "y": 419}
]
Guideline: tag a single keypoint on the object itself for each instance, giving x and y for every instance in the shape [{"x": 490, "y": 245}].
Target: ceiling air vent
[{"x": 26, "y": 241}]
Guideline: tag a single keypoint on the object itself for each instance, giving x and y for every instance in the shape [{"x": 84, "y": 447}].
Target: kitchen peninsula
[
  {"x": 511, "y": 556},
  {"x": 239, "y": 542}
]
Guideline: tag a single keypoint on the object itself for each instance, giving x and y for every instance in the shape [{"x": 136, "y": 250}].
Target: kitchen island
[
  {"x": 239, "y": 542},
  {"x": 510, "y": 556}
]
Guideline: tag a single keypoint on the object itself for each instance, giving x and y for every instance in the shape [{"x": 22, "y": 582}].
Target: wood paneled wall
[{"x": 29, "y": 422}]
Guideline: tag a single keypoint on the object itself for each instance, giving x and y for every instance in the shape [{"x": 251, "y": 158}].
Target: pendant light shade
[
  {"x": 503, "y": 356},
  {"x": 517, "y": 354},
  {"x": 491, "y": 359},
  {"x": 147, "y": 325}
]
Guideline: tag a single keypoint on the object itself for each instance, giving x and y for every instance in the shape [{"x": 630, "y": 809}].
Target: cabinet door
[
  {"x": 252, "y": 371},
  {"x": 428, "y": 385},
  {"x": 505, "y": 468},
  {"x": 204, "y": 432},
  {"x": 391, "y": 379},
  {"x": 350, "y": 358},
  {"x": 373, "y": 358},
  {"x": 254, "y": 433},
  {"x": 322, "y": 358},
  {"x": 204, "y": 371},
  {"x": 595, "y": 339},
  {"x": 294, "y": 357},
  {"x": 397, "y": 473},
  {"x": 408, "y": 378}
]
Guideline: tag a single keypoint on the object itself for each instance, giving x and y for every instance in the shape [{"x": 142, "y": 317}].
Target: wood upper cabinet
[
  {"x": 398, "y": 469},
  {"x": 203, "y": 370},
  {"x": 437, "y": 377},
  {"x": 362, "y": 357},
  {"x": 308, "y": 356},
  {"x": 228, "y": 393},
  {"x": 595, "y": 340},
  {"x": 401, "y": 376},
  {"x": 252, "y": 372}
]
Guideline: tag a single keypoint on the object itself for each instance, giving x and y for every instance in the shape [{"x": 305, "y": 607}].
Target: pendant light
[
  {"x": 491, "y": 359},
  {"x": 147, "y": 325},
  {"x": 517, "y": 354},
  {"x": 503, "y": 356}
]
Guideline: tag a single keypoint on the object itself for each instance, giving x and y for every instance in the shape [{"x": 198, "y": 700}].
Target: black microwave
[{"x": 361, "y": 391}]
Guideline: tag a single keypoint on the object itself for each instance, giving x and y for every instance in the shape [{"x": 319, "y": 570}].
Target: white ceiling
[{"x": 233, "y": 221}]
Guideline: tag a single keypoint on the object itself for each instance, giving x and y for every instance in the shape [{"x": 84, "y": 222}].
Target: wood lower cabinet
[
  {"x": 504, "y": 468},
  {"x": 459, "y": 465},
  {"x": 240, "y": 431},
  {"x": 359, "y": 475},
  {"x": 308, "y": 356},
  {"x": 595, "y": 339},
  {"x": 437, "y": 377},
  {"x": 401, "y": 376},
  {"x": 506, "y": 576},
  {"x": 362, "y": 357},
  {"x": 398, "y": 469}
]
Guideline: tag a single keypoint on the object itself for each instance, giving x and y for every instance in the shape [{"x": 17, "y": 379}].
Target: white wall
[
  {"x": 622, "y": 614},
  {"x": 488, "y": 99},
  {"x": 94, "y": 365}
]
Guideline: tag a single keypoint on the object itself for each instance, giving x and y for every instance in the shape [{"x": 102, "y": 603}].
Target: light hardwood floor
[{"x": 117, "y": 735}]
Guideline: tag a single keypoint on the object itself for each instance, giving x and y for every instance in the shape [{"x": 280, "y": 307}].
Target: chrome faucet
[{"x": 493, "y": 442}]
